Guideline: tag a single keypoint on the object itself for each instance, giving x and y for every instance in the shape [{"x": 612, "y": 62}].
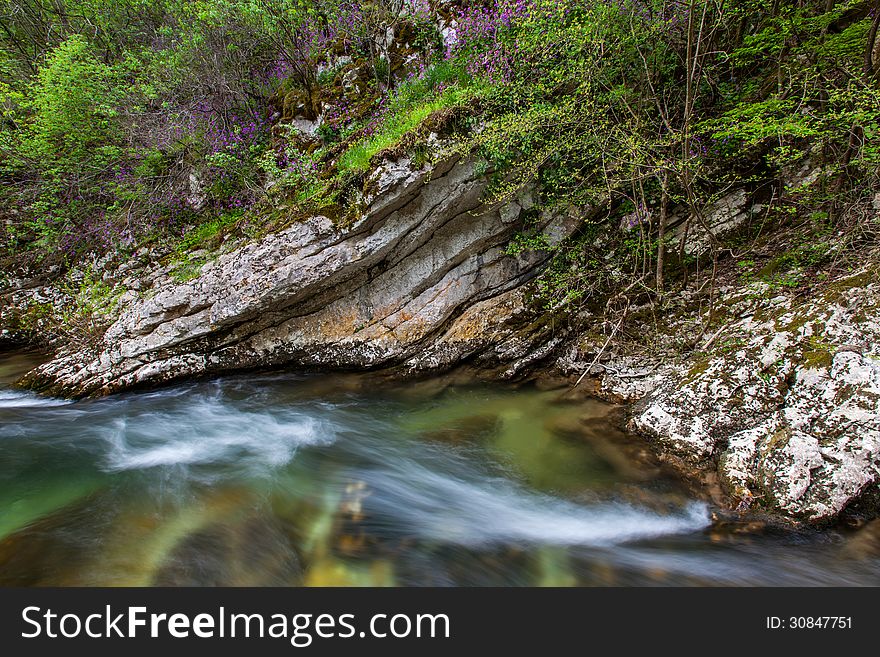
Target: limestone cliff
[{"x": 421, "y": 281}]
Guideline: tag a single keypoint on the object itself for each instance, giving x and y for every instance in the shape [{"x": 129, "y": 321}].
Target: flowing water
[{"x": 323, "y": 480}]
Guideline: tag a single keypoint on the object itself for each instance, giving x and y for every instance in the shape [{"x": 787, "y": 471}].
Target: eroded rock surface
[
  {"x": 421, "y": 281},
  {"x": 787, "y": 401}
]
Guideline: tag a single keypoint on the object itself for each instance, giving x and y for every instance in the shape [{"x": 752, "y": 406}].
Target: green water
[{"x": 327, "y": 480}]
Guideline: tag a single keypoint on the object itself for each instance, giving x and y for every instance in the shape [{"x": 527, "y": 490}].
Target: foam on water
[
  {"x": 20, "y": 398},
  {"x": 448, "y": 500},
  {"x": 352, "y": 480},
  {"x": 204, "y": 430},
  {"x": 204, "y": 434}
]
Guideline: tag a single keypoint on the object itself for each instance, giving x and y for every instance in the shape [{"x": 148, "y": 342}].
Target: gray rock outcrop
[
  {"x": 421, "y": 281},
  {"x": 786, "y": 406}
]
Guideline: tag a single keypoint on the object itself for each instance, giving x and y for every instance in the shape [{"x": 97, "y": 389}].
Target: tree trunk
[
  {"x": 869, "y": 65},
  {"x": 661, "y": 232}
]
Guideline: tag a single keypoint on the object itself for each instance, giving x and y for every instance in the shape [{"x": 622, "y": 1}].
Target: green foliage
[
  {"x": 187, "y": 268},
  {"x": 618, "y": 107},
  {"x": 445, "y": 85},
  {"x": 127, "y": 120},
  {"x": 406, "y": 113},
  {"x": 203, "y": 235},
  {"x": 94, "y": 297},
  {"x": 65, "y": 129},
  {"x": 190, "y": 252},
  {"x": 527, "y": 241},
  {"x": 74, "y": 100}
]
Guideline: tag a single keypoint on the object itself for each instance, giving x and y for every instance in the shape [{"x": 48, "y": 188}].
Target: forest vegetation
[{"x": 171, "y": 125}]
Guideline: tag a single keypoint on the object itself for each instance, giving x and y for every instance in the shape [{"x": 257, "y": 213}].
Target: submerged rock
[
  {"x": 250, "y": 551},
  {"x": 465, "y": 430}
]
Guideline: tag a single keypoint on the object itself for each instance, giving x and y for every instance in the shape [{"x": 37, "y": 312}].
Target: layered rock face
[
  {"x": 786, "y": 405},
  {"x": 420, "y": 282}
]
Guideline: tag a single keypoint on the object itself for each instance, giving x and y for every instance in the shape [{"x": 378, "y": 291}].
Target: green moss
[
  {"x": 815, "y": 360},
  {"x": 696, "y": 370},
  {"x": 187, "y": 270},
  {"x": 206, "y": 234},
  {"x": 412, "y": 106},
  {"x": 207, "y": 237},
  {"x": 358, "y": 157},
  {"x": 798, "y": 321},
  {"x": 839, "y": 288}
]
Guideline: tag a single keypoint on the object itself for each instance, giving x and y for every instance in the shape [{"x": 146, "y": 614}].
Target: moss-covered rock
[{"x": 791, "y": 417}]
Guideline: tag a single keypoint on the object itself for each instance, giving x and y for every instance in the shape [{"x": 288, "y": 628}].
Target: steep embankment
[{"x": 421, "y": 281}]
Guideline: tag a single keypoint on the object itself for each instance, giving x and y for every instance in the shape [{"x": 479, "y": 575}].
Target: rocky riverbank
[
  {"x": 780, "y": 404},
  {"x": 778, "y": 401}
]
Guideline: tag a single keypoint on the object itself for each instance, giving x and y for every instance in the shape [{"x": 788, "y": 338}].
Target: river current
[{"x": 281, "y": 479}]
